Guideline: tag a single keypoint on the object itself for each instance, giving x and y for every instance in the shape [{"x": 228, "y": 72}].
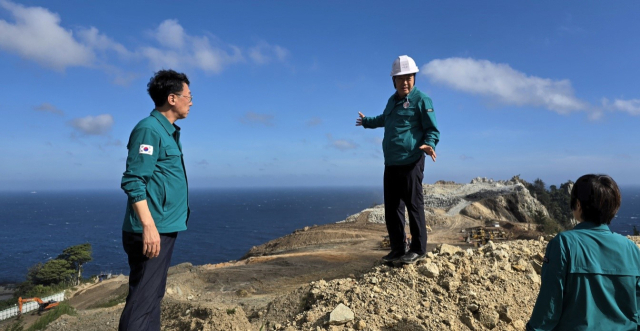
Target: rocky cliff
[{"x": 482, "y": 199}]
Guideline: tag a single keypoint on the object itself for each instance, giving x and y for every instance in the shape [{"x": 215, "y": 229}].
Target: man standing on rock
[
  {"x": 158, "y": 207},
  {"x": 410, "y": 131}
]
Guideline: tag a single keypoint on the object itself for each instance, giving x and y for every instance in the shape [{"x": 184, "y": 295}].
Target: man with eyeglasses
[{"x": 155, "y": 182}]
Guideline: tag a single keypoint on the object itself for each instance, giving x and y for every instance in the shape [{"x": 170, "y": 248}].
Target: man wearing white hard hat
[{"x": 410, "y": 132}]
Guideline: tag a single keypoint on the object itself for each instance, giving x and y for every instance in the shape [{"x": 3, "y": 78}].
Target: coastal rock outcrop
[{"x": 482, "y": 199}]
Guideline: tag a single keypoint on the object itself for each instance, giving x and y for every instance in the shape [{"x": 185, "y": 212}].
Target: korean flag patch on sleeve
[{"x": 146, "y": 149}]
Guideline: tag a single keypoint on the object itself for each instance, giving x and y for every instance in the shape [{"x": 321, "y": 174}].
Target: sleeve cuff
[{"x": 138, "y": 198}]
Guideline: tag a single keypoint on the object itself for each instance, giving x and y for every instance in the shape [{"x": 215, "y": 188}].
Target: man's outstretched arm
[{"x": 370, "y": 122}]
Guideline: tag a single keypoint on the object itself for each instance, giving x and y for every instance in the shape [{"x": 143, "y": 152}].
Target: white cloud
[
  {"x": 505, "y": 85},
  {"x": 160, "y": 58},
  {"x": 37, "y": 35},
  {"x": 181, "y": 50},
  {"x": 93, "y": 125},
  {"x": 264, "y": 53},
  {"x": 341, "y": 144},
  {"x": 171, "y": 34},
  {"x": 255, "y": 118},
  {"x": 49, "y": 108},
  {"x": 94, "y": 39},
  {"x": 280, "y": 52},
  {"x": 629, "y": 106}
]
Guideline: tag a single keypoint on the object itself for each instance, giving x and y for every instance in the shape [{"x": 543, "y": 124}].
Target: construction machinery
[
  {"x": 43, "y": 306},
  {"x": 480, "y": 235}
]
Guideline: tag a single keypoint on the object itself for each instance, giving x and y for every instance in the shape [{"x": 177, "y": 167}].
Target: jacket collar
[
  {"x": 170, "y": 128},
  {"x": 592, "y": 226}
]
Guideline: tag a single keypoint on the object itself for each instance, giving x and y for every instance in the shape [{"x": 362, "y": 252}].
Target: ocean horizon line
[
  {"x": 212, "y": 188},
  {"x": 239, "y": 188}
]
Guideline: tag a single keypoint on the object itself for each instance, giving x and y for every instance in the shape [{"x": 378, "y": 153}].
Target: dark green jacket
[
  {"x": 406, "y": 129},
  {"x": 155, "y": 172},
  {"x": 589, "y": 282}
]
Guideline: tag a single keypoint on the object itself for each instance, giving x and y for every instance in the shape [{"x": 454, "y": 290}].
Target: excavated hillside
[
  {"x": 490, "y": 288},
  {"x": 330, "y": 277}
]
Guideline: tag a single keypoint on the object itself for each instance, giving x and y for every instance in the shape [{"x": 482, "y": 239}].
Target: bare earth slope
[
  {"x": 493, "y": 287},
  {"x": 297, "y": 281}
]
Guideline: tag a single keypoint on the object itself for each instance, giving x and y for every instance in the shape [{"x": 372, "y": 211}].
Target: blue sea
[{"x": 224, "y": 224}]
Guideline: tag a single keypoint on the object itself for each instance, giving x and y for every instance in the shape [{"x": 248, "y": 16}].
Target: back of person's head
[
  {"x": 599, "y": 198},
  {"x": 164, "y": 83}
]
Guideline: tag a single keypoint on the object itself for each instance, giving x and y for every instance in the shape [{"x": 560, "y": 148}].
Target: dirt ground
[
  {"x": 268, "y": 271},
  {"x": 99, "y": 293}
]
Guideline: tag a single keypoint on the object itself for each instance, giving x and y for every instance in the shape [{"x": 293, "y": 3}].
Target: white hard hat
[{"x": 403, "y": 65}]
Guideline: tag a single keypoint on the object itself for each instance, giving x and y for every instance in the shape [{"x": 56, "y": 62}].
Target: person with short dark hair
[
  {"x": 590, "y": 275},
  {"x": 155, "y": 182},
  {"x": 410, "y": 132}
]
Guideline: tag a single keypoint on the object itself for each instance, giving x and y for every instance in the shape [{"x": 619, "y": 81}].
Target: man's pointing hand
[{"x": 359, "y": 120}]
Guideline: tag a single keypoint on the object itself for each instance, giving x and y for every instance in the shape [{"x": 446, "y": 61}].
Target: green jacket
[
  {"x": 406, "y": 129},
  {"x": 590, "y": 281},
  {"x": 155, "y": 172}
]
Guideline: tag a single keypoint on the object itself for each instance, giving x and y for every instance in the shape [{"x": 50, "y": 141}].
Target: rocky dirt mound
[
  {"x": 186, "y": 316},
  {"x": 104, "y": 319},
  {"x": 490, "y": 288},
  {"x": 494, "y": 287}
]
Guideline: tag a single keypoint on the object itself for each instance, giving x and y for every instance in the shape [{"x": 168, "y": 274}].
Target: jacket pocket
[
  {"x": 164, "y": 196},
  {"x": 405, "y": 118},
  {"x": 172, "y": 152}
]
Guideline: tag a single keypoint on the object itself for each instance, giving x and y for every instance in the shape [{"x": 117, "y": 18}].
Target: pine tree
[
  {"x": 77, "y": 256},
  {"x": 54, "y": 272}
]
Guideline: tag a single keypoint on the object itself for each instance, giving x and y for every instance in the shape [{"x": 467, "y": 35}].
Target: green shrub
[
  {"x": 40, "y": 290},
  {"x": 113, "y": 302},
  {"x": 62, "y": 309},
  {"x": 16, "y": 326},
  {"x": 555, "y": 199},
  {"x": 546, "y": 224},
  {"x": 8, "y": 303}
]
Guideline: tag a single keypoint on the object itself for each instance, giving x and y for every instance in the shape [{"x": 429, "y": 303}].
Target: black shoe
[
  {"x": 393, "y": 256},
  {"x": 411, "y": 258}
]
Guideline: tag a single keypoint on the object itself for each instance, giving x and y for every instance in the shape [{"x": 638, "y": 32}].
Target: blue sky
[{"x": 543, "y": 89}]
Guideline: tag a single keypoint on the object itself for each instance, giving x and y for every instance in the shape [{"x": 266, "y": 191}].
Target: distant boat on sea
[{"x": 32, "y": 192}]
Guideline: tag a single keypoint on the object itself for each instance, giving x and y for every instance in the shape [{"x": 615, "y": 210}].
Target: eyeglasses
[{"x": 189, "y": 97}]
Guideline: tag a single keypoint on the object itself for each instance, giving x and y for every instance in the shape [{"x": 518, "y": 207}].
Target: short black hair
[
  {"x": 163, "y": 83},
  {"x": 599, "y": 198}
]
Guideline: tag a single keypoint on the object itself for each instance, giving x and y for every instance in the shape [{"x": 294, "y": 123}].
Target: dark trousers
[
  {"x": 147, "y": 282},
  {"x": 403, "y": 187}
]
